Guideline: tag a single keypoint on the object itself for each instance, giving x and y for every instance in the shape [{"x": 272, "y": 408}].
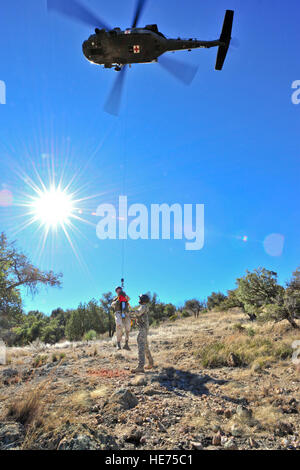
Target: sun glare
[{"x": 53, "y": 208}]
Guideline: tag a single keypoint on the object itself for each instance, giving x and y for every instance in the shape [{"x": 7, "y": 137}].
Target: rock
[
  {"x": 216, "y": 440},
  {"x": 9, "y": 373},
  {"x": 283, "y": 429},
  {"x": 133, "y": 435},
  {"x": 139, "y": 420},
  {"x": 243, "y": 412},
  {"x": 124, "y": 398},
  {"x": 138, "y": 381},
  {"x": 216, "y": 428},
  {"x": 11, "y": 435},
  {"x": 88, "y": 440},
  {"x": 230, "y": 444},
  {"x": 94, "y": 409},
  {"x": 197, "y": 445},
  {"x": 285, "y": 442},
  {"x": 81, "y": 442},
  {"x": 236, "y": 431}
]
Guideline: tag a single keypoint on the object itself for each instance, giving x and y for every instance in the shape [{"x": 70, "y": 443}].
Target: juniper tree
[
  {"x": 194, "y": 306},
  {"x": 17, "y": 271},
  {"x": 215, "y": 299},
  {"x": 287, "y": 305},
  {"x": 256, "y": 289}
]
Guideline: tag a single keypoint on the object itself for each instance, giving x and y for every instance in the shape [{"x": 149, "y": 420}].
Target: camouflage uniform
[
  {"x": 121, "y": 323},
  {"x": 142, "y": 340}
]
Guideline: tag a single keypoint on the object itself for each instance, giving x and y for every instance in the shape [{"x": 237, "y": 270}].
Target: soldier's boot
[
  {"x": 119, "y": 345},
  {"x": 126, "y": 346},
  {"x": 138, "y": 370},
  {"x": 149, "y": 366}
]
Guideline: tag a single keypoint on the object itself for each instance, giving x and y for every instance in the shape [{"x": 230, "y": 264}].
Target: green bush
[
  {"x": 215, "y": 299},
  {"x": 90, "y": 335},
  {"x": 39, "y": 360},
  {"x": 173, "y": 317},
  {"x": 250, "y": 332},
  {"x": 185, "y": 314}
]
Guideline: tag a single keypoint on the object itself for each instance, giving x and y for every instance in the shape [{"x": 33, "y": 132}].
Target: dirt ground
[{"x": 220, "y": 382}]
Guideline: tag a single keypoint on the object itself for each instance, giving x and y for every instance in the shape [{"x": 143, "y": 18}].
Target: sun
[{"x": 53, "y": 207}]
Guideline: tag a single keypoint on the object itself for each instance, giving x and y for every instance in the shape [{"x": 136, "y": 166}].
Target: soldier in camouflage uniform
[
  {"x": 141, "y": 315},
  {"x": 122, "y": 318}
]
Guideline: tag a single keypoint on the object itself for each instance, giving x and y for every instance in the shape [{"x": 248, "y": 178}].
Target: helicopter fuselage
[{"x": 116, "y": 48}]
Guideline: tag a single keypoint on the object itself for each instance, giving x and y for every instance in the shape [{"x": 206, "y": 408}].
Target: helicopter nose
[{"x": 85, "y": 48}]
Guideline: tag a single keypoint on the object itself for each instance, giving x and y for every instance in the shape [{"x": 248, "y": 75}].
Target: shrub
[
  {"x": 174, "y": 317},
  {"x": 215, "y": 299},
  {"x": 40, "y": 360},
  {"x": 54, "y": 357},
  {"x": 91, "y": 335},
  {"x": 257, "y": 289},
  {"x": 185, "y": 314},
  {"x": 250, "y": 332}
]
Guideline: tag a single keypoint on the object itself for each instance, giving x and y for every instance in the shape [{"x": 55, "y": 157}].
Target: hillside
[{"x": 221, "y": 382}]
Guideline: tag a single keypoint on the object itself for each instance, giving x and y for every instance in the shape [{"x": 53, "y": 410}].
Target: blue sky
[{"x": 229, "y": 141}]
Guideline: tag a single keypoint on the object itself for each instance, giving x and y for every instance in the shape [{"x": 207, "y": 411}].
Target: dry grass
[
  {"x": 100, "y": 392},
  {"x": 27, "y": 409},
  {"x": 247, "y": 350},
  {"x": 81, "y": 400}
]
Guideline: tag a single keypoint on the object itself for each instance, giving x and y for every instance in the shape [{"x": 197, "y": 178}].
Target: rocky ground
[{"x": 83, "y": 396}]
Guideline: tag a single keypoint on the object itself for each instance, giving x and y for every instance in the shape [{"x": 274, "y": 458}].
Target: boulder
[
  {"x": 124, "y": 398},
  {"x": 11, "y": 435}
]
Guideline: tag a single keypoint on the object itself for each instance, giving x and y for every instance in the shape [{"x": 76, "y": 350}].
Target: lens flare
[
  {"x": 274, "y": 244},
  {"x": 6, "y": 198},
  {"x": 53, "y": 207}
]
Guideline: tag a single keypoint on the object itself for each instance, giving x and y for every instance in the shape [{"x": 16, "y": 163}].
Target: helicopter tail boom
[{"x": 225, "y": 39}]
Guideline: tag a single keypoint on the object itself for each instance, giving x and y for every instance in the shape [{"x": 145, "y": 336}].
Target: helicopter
[{"x": 117, "y": 48}]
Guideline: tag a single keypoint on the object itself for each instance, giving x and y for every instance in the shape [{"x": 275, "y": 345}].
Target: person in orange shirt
[{"x": 120, "y": 305}]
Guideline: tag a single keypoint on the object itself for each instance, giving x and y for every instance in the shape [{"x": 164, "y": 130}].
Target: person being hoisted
[{"x": 120, "y": 306}]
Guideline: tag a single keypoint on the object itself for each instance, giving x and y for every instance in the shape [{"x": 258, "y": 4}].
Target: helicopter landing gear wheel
[{"x": 118, "y": 68}]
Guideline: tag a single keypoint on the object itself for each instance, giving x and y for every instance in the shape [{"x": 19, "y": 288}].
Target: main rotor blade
[
  {"x": 75, "y": 10},
  {"x": 183, "y": 72},
  {"x": 113, "y": 102},
  {"x": 138, "y": 11}
]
